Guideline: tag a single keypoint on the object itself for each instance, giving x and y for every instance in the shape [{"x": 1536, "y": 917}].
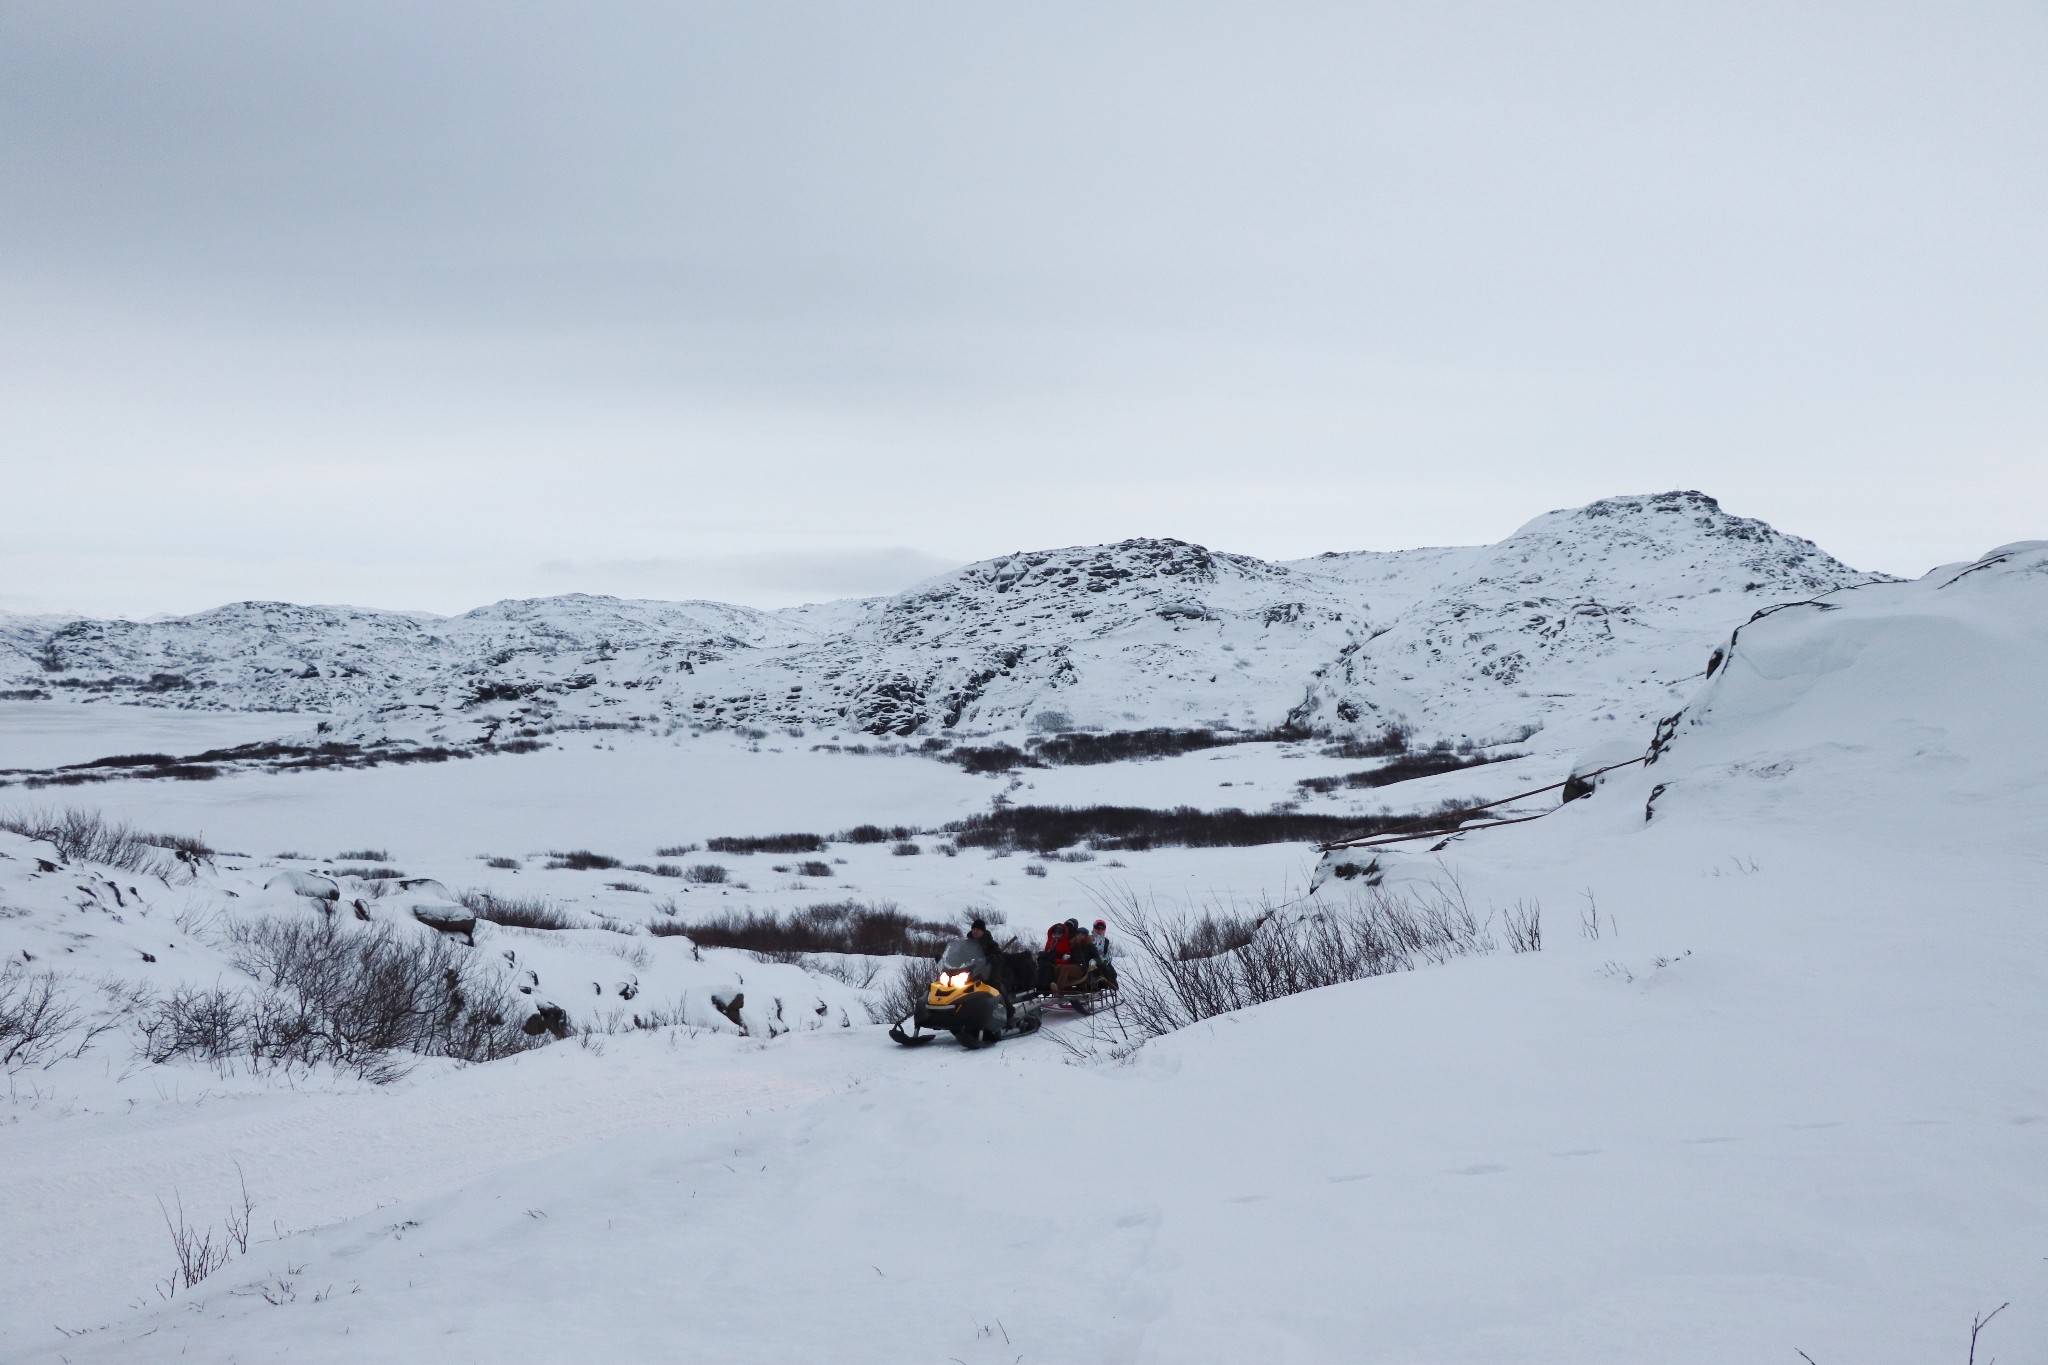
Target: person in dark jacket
[
  {"x": 1083, "y": 953},
  {"x": 978, "y": 934},
  {"x": 998, "y": 972}
]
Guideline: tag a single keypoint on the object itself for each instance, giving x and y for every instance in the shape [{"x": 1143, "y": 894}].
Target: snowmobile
[{"x": 964, "y": 1002}]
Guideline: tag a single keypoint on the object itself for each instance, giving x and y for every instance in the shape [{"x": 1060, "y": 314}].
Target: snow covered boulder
[
  {"x": 1591, "y": 770},
  {"x": 446, "y": 919},
  {"x": 308, "y": 884},
  {"x": 547, "y": 1018}
]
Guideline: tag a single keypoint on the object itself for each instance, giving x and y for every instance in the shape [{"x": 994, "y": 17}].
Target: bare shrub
[
  {"x": 365, "y": 855},
  {"x": 1043, "y": 829},
  {"x": 857, "y": 972},
  {"x": 767, "y": 843},
  {"x": 503, "y": 864},
  {"x": 876, "y": 930},
  {"x": 371, "y": 874},
  {"x": 875, "y": 834},
  {"x": 705, "y": 874},
  {"x": 358, "y": 998},
  {"x": 1035, "y": 870},
  {"x": 196, "y": 1254},
  {"x": 517, "y": 912},
  {"x": 1392, "y": 740},
  {"x": 677, "y": 850},
  {"x": 1181, "y": 976},
  {"x": 1217, "y": 931},
  {"x": 1404, "y": 767},
  {"x": 1524, "y": 924},
  {"x": 582, "y": 860},
  {"x": 901, "y": 992},
  {"x": 813, "y": 869},
  {"x": 38, "y": 1025},
  {"x": 906, "y": 849},
  {"x": 81, "y": 835}
]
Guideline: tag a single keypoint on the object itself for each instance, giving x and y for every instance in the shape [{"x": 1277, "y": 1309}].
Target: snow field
[
  {"x": 1570, "y": 1155},
  {"x": 1781, "y": 1095}
]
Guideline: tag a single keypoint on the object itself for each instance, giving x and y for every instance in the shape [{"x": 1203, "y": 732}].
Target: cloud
[{"x": 770, "y": 578}]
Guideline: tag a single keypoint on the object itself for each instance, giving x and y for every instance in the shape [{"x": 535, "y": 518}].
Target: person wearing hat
[
  {"x": 998, "y": 966},
  {"x": 1103, "y": 954},
  {"x": 979, "y": 936}
]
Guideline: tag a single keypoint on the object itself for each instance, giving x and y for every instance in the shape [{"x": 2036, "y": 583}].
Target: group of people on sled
[{"x": 1067, "y": 946}]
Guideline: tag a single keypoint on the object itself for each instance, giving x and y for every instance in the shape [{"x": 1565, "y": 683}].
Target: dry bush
[
  {"x": 1187, "y": 970},
  {"x": 516, "y": 912},
  {"x": 582, "y": 860},
  {"x": 38, "y": 1024},
  {"x": 902, "y": 992},
  {"x": 875, "y": 834},
  {"x": 81, "y": 835},
  {"x": 196, "y": 1255},
  {"x": 767, "y": 843},
  {"x": 359, "y": 998},
  {"x": 1524, "y": 925},
  {"x": 1404, "y": 768},
  {"x": 876, "y": 930},
  {"x": 1044, "y": 829},
  {"x": 1217, "y": 931},
  {"x": 705, "y": 874}
]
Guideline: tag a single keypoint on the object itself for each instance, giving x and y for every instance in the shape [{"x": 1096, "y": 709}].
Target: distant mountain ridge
[{"x": 1578, "y": 614}]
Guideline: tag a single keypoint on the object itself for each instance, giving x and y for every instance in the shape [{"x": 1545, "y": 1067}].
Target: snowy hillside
[
  {"x": 1580, "y": 615},
  {"x": 1768, "y": 1085}
]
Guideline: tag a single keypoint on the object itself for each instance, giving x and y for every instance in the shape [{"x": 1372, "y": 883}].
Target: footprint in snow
[
  {"x": 1347, "y": 1179},
  {"x": 1485, "y": 1168}
]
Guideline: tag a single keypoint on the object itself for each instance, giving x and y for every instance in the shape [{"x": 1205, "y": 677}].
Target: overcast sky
[{"x": 421, "y": 304}]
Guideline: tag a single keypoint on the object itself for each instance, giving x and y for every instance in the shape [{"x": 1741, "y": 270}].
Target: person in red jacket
[{"x": 1058, "y": 940}]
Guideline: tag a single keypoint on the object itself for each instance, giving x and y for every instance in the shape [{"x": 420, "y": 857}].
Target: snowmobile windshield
[{"x": 963, "y": 955}]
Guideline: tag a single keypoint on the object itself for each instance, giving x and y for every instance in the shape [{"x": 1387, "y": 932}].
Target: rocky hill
[{"x": 1581, "y": 614}]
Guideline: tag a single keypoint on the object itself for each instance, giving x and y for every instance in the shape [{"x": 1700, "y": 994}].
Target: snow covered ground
[{"x": 1772, "y": 1084}]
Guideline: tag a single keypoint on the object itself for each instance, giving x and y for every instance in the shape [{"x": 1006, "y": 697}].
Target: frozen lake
[{"x": 48, "y": 734}]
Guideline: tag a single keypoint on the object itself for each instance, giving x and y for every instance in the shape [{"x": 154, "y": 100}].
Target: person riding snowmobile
[{"x": 998, "y": 964}]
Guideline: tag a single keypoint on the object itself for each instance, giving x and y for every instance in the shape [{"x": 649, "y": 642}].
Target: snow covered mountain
[
  {"x": 1581, "y": 616},
  {"x": 1764, "y": 1087}
]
